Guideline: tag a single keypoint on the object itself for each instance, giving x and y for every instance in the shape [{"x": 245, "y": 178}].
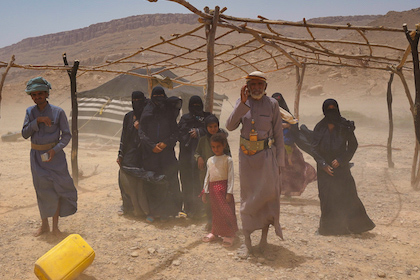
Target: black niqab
[
  {"x": 332, "y": 115},
  {"x": 138, "y": 101},
  {"x": 280, "y": 99},
  {"x": 159, "y": 97},
  {"x": 195, "y": 106}
]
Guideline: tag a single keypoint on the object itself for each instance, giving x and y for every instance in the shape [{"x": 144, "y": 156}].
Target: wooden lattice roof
[{"x": 265, "y": 45}]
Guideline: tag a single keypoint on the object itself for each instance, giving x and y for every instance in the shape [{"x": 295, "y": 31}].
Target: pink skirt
[{"x": 224, "y": 221}]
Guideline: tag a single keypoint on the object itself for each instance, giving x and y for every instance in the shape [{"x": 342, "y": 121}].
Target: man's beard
[{"x": 256, "y": 95}]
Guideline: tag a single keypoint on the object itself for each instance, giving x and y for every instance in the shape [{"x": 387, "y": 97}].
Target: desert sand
[{"x": 129, "y": 248}]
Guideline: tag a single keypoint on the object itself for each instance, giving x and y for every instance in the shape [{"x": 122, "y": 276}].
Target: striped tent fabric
[
  {"x": 102, "y": 109},
  {"x": 101, "y": 117}
]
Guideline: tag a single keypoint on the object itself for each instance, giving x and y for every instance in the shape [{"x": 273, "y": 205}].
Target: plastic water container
[{"x": 66, "y": 260}]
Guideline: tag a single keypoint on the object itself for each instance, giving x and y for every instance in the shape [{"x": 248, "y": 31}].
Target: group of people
[{"x": 270, "y": 163}]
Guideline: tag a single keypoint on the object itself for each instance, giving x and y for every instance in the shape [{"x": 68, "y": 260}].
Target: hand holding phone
[
  {"x": 244, "y": 93},
  {"x": 45, "y": 157}
]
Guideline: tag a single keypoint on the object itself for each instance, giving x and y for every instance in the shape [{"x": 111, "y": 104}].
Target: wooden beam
[
  {"x": 211, "y": 35},
  {"x": 74, "y": 117},
  {"x": 299, "y": 83},
  {"x": 3, "y": 77},
  {"x": 390, "y": 121}
]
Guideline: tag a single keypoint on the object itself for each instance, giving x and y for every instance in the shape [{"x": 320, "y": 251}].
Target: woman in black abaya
[
  {"x": 191, "y": 128},
  {"x": 334, "y": 145},
  {"x": 158, "y": 134}
]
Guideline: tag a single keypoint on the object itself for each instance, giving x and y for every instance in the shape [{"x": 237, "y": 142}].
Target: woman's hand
[
  {"x": 193, "y": 133},
  {"x": 157, "y": 149},
  {"x": 136, "y": 125},
  {"x": 335, "y": 163},
  {"x": 161, "y": 145},
  {"x": 329, "y": 170},
  {"x": 200, "y": 162}
]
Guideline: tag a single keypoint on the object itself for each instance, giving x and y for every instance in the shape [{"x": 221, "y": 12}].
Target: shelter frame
[{"x": 221, "y": 62}]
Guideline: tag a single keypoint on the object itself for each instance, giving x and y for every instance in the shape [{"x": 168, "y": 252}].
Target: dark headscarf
[
  {"x": 158, "y": 98},
  {"x": 332, "y": 115},
  {"x": 195, "y": 106},
  {"x": 174, "y": 105},
  {"x": 210, "y": 119},
  {"x": 138, "y": 101},
  {"x": 282, "y": 103}
]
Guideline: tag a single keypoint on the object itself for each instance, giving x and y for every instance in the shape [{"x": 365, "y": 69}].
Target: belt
[
  {"x": 43, "y": 147},
  {"x": 253, "y": 147}
]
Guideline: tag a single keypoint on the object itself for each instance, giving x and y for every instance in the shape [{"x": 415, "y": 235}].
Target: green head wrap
[{"x": 37, "y": 84}]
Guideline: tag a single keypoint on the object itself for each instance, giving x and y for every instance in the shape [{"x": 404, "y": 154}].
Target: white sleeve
[
  {"x": 207, "y": 179},
  {"x": 231, "y": 176}
]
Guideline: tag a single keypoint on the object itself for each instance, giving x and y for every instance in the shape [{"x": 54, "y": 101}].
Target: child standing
[
  {"x": 218, "y": 185},
  {"x": 203, "y": 152}
]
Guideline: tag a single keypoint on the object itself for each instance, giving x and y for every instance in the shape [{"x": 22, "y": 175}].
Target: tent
[{"x": 102, "y": 109}]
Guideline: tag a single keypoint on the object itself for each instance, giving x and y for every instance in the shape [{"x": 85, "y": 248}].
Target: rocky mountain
[
  {"x": 98, "y": 42},
  {"x": 95, "y": 44},
  {"x": 343, "y": 20},
  {"x": 94, "y": 31}
]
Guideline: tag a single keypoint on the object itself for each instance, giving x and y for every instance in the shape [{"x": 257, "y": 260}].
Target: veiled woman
[
  {"x": 334, "y": 145},
  {"x": 297, "y": 173},
  {"x": 158, "y": 133}
]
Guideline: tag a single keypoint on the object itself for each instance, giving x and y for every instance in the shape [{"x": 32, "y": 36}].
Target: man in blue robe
[{"x": 48, "y": 128}]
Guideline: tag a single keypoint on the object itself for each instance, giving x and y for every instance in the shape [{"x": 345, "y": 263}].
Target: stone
[{"x": 381, "y": 274}]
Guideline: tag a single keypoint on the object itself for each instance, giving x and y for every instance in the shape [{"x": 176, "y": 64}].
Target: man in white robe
[{"x": 261, "y": 157}]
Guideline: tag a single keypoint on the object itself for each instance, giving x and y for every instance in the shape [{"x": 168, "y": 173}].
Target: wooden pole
[
  {"x": 415, "y": 163},
  {"x": 210, "y": 35},
  {"x": 391, "y": 123},
  {"x": 149, "y": 83},
  {"x": 74, "y": 116},
  {"x": 3, "y": 77},
  {"x": 299, "y": 83},
  {"x": 414, "y": 168},
  {"x": 413, "y": 39}
]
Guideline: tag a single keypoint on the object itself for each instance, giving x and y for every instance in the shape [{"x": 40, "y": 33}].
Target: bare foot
[
  {"x": 56, "y": 232},
  {"x": 243, "y": 252},
  {"x": 41, "y": 230},
  {"x": 262, "y": 246}
]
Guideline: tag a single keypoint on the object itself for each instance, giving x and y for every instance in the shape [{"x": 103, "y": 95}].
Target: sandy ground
[{"x": 130, "y": 248}]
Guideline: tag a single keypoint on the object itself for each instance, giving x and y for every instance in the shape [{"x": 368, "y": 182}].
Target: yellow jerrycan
[{"x": 66, "y": 260}]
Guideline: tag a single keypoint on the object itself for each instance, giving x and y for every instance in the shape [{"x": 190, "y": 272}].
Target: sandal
[
  {"x": 209, "y": 238},
  {"x": 150, "y": 219},
  {"x": 228, "y": 241}
]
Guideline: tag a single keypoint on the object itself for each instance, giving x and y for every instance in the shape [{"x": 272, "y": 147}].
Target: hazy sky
[{"x": 21, "y": 19}]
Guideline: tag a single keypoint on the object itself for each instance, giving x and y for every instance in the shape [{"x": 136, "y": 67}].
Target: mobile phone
[{"x": 45, "y": 157}]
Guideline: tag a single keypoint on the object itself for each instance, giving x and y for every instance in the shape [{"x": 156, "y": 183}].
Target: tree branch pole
[
  {"x": 149, "y": 82},
  {"x": 414, "y": 166},
  {"x": 391, "y": 123},
  {"x": 74, "y": 116},
  {"x": 3, "y": 77},
  {"x": 413, "y": 39},
  {"x": 211, "y": 35},
  {"x": 299, "y": 83}
]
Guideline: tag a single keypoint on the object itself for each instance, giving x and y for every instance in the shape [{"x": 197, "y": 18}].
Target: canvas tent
[{"x": 102, "y": 109}]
